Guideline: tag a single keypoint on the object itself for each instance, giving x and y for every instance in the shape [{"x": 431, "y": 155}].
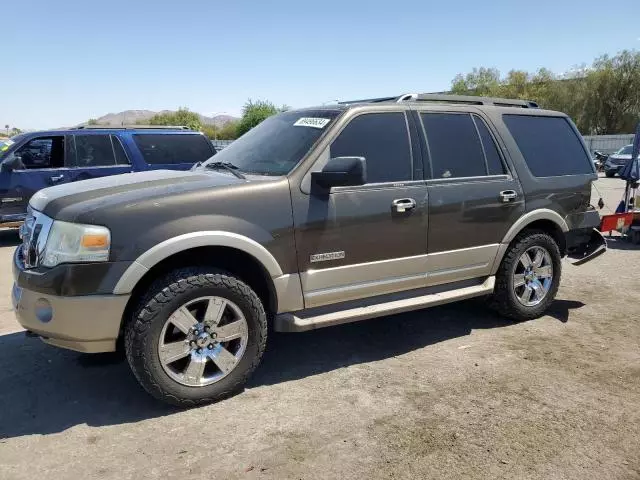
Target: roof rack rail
[
  {"x": 369, "y": 100},
  {"x": 133, "y": 127},
  {"x": 473, "y": 100},
  {"x": 445, "y": 98}
]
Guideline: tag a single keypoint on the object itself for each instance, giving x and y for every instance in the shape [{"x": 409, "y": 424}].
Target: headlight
[{"x": 72, "y": 242}]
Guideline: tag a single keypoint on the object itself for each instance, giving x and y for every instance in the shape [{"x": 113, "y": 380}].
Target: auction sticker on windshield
[{"x": 313, "y": 122}]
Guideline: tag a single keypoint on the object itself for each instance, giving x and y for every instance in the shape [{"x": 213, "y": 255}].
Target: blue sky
[{"x": 66, "y": 61}]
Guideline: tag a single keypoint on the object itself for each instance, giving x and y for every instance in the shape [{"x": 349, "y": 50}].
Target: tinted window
[
  {"x": 382, "y": 139},
  {"x": 42, "y": 152},
  {"x": 94, "y": 151},
  {"x": 494, "y": 162},
  {"x": 549, "y": 145},
  {"x": 121, "y": 156},
  {"x": 173, "y": 148},
  {"x": 454, "y": 147}
]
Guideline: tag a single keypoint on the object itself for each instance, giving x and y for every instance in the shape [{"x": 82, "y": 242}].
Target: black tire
[
  {"x": 164, "y": 297},
  {"x": 609, "y": 173},
  {"x": 504, "y": 299}
]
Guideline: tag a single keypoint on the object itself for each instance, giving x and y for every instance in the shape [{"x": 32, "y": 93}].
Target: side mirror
[
  {"x": 341, "y": 172},
  {"x": 12, "y": 162}
]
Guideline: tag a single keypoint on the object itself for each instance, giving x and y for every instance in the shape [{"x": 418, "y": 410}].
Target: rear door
[
  {"x": 174, "y": 151},
  {"x": 43, "y": 163},
  {"x": 97, "y": 154},
  {"x": 474, "y": 197}
]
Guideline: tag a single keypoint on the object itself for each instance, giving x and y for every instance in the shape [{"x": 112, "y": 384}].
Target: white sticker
[{"x": 312, "y": 122}]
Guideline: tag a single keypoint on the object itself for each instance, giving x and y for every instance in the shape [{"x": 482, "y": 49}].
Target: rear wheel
[
  {"x": 196, "y": 337},
  {"x": 529, "y": 276}
]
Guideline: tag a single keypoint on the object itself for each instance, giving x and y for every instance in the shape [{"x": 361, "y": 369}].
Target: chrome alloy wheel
[
  {"x": 203, "y": 341},
  {"x": 533, "y": 276}
]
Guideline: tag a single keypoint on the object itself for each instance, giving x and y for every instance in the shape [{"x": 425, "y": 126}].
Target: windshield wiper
[{"x": 230, "y": 167}]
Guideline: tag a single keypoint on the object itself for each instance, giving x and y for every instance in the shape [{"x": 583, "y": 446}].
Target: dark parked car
[
  {"x": 616, "y": 161},
  {"x": 314, "y": 218},
  {"x": 35, "y": 160}
]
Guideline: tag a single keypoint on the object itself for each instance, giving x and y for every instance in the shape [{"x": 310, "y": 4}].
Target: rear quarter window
[
  {"x": 549, "y": 145},
  {"x": 168, "y": 149}
]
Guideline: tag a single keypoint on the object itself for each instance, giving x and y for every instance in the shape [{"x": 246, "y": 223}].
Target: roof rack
[
  {"x": 133, "y": 127},
  {"x": 473, "y": 100},
  {"x": 445, "y": 98}
]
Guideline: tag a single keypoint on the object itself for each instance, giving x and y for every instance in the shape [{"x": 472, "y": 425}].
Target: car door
[
  {"x": 42, "y": 162},
  {"x": 474, "y": 196},
  {"x": 172, "y": 150},
  {"x": 361, "y": 241},
  {"x": 97, "y": 154}
]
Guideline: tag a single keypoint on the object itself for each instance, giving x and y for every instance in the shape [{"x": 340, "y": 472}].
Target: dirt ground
[{"x": 451, "y": 392}]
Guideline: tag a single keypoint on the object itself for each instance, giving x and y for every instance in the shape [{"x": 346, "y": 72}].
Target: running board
[{"x": 290, "y": 322}]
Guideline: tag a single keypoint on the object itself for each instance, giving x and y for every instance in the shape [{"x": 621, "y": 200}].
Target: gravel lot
[{"x": 450, "y": 392}]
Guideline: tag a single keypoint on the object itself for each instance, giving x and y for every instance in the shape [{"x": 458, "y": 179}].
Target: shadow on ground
[
  {"x": 47, "y": 390},
  {"x": 620, "y": 243}
]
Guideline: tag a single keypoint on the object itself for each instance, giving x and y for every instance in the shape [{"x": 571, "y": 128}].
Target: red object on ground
[{"x": 617, "y": 221}]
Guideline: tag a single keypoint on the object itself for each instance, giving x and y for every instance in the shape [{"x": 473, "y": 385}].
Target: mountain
[{"x": 131, "y": 117}]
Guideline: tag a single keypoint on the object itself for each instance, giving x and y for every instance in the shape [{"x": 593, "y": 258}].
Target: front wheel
[
  {"x": 196, "y": 337},
  {"x": 529, "y": 276}
]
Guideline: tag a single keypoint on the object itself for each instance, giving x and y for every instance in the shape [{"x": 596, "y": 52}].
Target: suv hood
[{"x": 103, "y": 192}]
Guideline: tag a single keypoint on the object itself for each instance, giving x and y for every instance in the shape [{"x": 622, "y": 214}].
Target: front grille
[{"x": 34, "y": 232}]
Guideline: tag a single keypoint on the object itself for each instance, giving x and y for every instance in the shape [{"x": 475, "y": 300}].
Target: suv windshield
[
  {"x": 276, "y": 145},
  {"x": 625, "y": 150},
  {"x": 8, "y": 142}
]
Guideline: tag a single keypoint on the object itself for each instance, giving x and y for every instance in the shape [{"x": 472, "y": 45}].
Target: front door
[
  {"x": 360, "y": 241},
  {"x": 42, "y": 163},
  {"x": 473, "y": 196}
]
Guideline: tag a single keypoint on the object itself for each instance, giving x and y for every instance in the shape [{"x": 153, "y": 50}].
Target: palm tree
[{"x": 7, "y": 127}]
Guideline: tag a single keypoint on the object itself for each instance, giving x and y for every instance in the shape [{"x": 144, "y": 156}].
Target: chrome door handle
[
  {"x": 403, "y": 204},
  {"x": 56, "y": 178},
  {"x": 508, "y": 196}
]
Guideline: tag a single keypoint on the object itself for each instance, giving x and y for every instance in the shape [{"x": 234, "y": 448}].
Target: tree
[
  {"x": 228, "y": 131},
  {"x": 601, "y": 99},
  {"x": 15, "y": 131},
  {"x": 92, "y": 121},
  {"x": 255, "y": 112},
  {"x": 183, "y": 117},
  {"x": 6, "y": 127}
]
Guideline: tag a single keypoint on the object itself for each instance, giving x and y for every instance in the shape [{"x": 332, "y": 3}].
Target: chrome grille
[{"x": 34, "y": 232}]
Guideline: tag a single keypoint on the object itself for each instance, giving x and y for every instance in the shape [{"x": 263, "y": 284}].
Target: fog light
[{"x": 44, "y": 311}]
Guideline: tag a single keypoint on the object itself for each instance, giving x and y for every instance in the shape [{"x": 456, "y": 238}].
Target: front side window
[
  {"x": 173, "y": 149},
  {"x": 383, "y": 140},
  {"x": 279, "y": 143},
  {"x": 41, "y": 152},
  {"x": 94, "y": 151},
  {"x": 549, "y": 145},
  {"x": 455, "y": 148}
]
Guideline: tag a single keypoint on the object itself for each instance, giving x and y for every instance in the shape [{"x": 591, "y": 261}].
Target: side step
[{"x": 289, "y": 322}]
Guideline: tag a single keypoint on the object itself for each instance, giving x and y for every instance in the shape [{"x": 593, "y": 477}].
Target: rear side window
[
  {"x": 168, "y": 149},
  {"x": 494, "y": 162},
  {"x": 383, "y": 140},
  {"x": 550, "y": 145},
  {"x": 454, "y": 146},
  {"x": 94, "y": 151},
  {"x": 121, "y": 156}
]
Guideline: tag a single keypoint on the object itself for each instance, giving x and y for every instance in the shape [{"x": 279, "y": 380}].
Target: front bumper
[
  {"x": 63, "y": 316},
  {"x": 87, "y": 323}
]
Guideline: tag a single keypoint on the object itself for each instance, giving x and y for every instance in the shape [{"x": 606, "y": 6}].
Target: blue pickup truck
[{"x": 35, "y": 160}]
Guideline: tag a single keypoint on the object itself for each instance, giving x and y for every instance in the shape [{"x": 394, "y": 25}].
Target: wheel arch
[{"x": 544, "y": 220}]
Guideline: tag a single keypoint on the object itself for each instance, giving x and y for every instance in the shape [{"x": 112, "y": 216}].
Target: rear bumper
[
  {"x": 585, "y": 246},
  {"x": 86, "y": 323}
]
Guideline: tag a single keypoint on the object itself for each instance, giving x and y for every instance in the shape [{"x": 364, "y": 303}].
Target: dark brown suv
[{"x": 316, "y": 217}]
